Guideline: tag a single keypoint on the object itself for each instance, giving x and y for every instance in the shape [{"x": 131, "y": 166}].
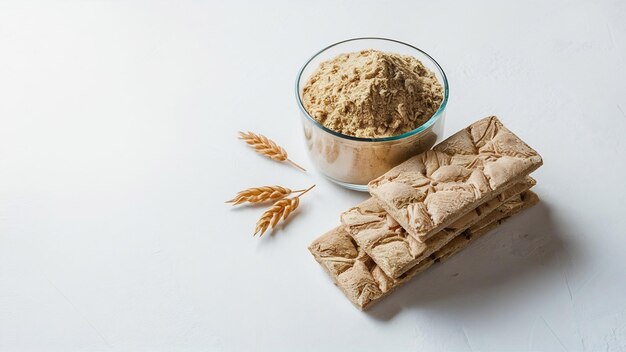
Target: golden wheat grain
[
  {"x": 261, "y": 194},
  {"x": 279, "y": 210},
  {"x": 267, "y": 147}
]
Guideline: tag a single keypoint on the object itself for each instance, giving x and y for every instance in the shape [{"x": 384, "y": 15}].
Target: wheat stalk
[
  {"x": 279, "y": 210},
  {"x": 261, "y": 194},
  {"x": 267, "y": 147}
]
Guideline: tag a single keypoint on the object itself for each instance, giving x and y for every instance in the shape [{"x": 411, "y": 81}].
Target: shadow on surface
[{"x": 518, "y": 252}]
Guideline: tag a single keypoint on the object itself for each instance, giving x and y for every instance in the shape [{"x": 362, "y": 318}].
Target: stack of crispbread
[{"x": 427, "y": 209}]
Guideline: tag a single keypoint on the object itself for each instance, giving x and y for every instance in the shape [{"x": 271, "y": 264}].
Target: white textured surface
[{"x": 117, "y": 149}]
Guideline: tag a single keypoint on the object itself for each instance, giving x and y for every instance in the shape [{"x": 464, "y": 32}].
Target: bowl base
[{"x": 351, "y": 186}]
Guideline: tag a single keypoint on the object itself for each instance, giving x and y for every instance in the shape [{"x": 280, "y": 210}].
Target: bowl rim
[{"x": 419, "y": 129}]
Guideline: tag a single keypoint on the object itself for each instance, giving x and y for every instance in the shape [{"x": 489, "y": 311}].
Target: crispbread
[
  {"x": 432, "y": 190},
  {"x": 362, "y": 281},
  {"x": 353, "y": 271},
  {"x": 395, "y": 251}
]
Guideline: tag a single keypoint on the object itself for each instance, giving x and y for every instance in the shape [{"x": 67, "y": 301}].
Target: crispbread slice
[
  {"x": 362, "y": 281},
  {"x": 395, "y": 251},
  {"x": 430, "y": 191}
]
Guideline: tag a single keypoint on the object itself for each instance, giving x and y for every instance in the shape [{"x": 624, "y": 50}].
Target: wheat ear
[
  {"x": 267, "y": 147},
  {"x": 280, "y": 210},
  {"x": 261, "y": 194}
]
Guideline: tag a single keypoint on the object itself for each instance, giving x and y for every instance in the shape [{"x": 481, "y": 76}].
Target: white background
[{"x": 118, "y": 147}]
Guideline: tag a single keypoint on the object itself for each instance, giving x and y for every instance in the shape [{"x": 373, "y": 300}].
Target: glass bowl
[{"x": 352, "y": 161}]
